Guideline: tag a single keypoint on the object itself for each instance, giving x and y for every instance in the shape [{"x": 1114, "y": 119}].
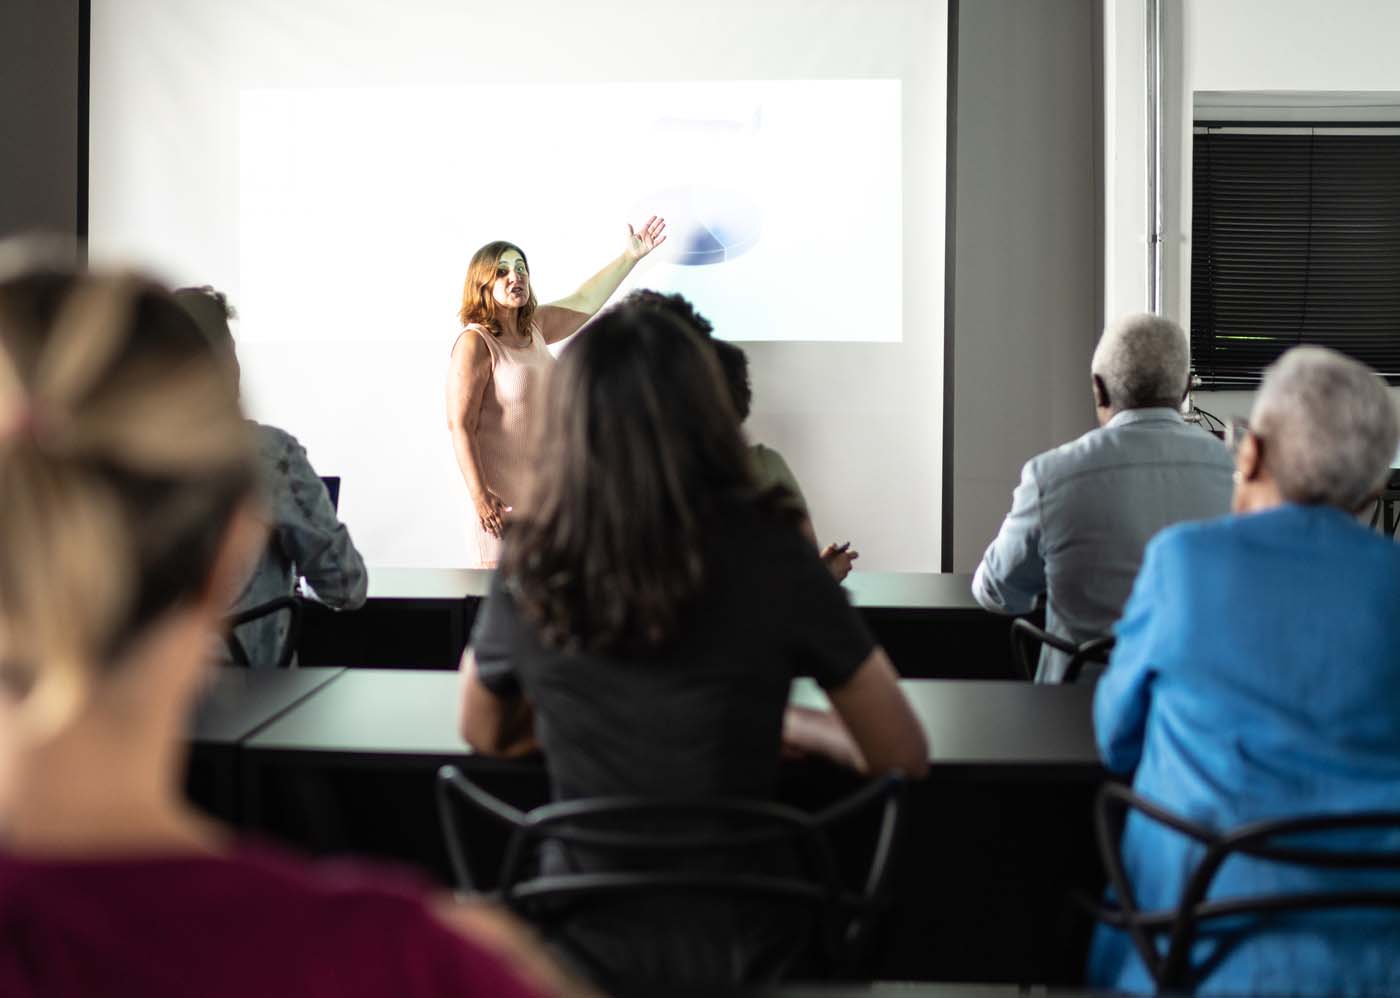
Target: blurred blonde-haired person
[{"x": 127, "y": 523}]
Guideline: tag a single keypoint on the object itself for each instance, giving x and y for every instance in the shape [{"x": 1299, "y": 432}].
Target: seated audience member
[
  {"x": 1084, "y": 511},
  {"x": 768, "y": 465},
  {"x": 653, "y": 607},
  {"x": 127, "y": 481},
  {"x": 305, "y": 539},
  {"x": 1256, "y": 676}
]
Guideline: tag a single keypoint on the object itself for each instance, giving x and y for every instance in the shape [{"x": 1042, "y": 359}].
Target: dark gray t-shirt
[{"x": 703, "y": 716}]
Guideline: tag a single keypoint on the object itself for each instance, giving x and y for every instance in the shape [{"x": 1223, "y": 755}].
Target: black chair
[
  {"x": 631, "y": 858},
  {"x": 291, "y": 605},
  {"x": 1267, "y": 840},
  {"x": 1026, "y": 639}
]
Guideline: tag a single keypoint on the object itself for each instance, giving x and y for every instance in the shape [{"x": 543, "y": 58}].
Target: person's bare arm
[
  {"x": 838, "y": 559},
  {"x": 493, "y": 725},
  {"x": 808, "y": 731},
  {"x": 882, "y": 724},
  {"x": 561, "y": 319},
  {"x": 466, "y": 388}
]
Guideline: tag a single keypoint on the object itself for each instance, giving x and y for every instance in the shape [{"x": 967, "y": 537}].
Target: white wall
[
  {"x": 1217, "y": 45},
  {"x": 1125, "y": 157}
]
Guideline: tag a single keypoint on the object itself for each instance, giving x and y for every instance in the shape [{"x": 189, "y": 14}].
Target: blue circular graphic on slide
[{"x": 707, "y": 225}]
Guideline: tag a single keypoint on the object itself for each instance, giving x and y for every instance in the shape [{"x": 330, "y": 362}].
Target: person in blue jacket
[{"x": 1257, "y": 676}]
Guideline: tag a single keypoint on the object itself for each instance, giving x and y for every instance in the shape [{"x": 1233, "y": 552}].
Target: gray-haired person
[
  {"x": 1084, "y": 512},
  {"x": 1255, "y": 677},
  {"x": 305, "y": 536}
]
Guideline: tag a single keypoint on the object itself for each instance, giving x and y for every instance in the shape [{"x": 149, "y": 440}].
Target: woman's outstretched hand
[{"x": 652, "y": 235}]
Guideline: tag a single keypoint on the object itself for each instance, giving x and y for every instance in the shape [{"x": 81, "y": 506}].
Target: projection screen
[{"x": 331, "y": 166}]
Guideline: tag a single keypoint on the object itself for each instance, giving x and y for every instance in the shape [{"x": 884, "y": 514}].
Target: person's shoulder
[
  {"x": 275, "y": 438},
  {"x": 280, "y": 454},
  {"x": 1199, "y": 443},
  {"x": 768, "y": 465},
  {"x": 1065, "y": 458},
  {"x": 474, "y": 343},
  {"x": 758, "y": 538},
  {"x": 374, "y": 926},
  {"x": 1194, "y": 540},
  {"x": 376, "y": 918},
  {"x": 1166, "y": 439},
  {"x": 743, "y": 522}
]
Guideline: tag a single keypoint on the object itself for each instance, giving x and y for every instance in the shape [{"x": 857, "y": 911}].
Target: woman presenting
[{"x": 498, "y": 364}]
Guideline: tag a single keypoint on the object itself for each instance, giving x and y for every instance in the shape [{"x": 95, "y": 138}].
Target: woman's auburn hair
[
  {"x": 123, "y": 456},
  {"x": 638, "y": 450},
  {"x": 479, "y": 306}
]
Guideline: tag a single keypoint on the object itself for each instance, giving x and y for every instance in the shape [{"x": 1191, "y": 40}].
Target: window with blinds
[{"x": 1295, "y": 238}]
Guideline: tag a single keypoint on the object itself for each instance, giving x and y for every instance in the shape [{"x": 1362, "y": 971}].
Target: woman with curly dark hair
[{"x": 654, "y": 604}]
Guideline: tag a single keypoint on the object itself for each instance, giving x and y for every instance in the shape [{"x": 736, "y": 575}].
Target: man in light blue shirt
[{"x": 1085, "y": 511}]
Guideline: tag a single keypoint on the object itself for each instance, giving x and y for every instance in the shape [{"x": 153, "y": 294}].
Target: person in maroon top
[{"x": 126, "y": 528}]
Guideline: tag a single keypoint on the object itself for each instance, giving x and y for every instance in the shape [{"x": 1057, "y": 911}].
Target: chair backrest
[
  {"x": 1273, "y": 841},
  {"x": 1027, "y": 639},
  {"x": 1095, "y": 650},
  {"x": 648, "y": 848},
  {"x": 289, "y": 604}
]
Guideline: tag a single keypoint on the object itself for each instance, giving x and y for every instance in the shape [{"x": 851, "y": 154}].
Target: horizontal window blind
[{"x": 1295, "y": 238}]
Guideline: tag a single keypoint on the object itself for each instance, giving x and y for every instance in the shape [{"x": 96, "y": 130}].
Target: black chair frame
[
  {"x": 1172, "y": 970},
  {"x": 845, "y": 916},
  {"x": 291, "y": 604},
  {"x": 1025, "y": 636}
]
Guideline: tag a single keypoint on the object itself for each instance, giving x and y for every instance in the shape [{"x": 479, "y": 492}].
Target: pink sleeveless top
[{"x": 503, "y": 431}]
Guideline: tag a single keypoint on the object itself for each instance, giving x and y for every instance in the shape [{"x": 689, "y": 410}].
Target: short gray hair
[
  {"x": 1328, "y": 426},
  {"x": 1142, "y": 359}
]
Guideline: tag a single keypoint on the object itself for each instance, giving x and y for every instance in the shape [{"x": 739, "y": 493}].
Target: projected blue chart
[{"x": 710, "y": 225}]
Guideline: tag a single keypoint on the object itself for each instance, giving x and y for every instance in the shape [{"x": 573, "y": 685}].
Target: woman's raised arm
[{"x": 561, "y": 319}]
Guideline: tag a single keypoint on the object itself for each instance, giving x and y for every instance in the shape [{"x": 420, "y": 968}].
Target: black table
[
  {"x": 239, "y": 701},
  {"x": 994, "y": 839},
  {"x": 973, "y": 727},
  {"x": 415, "y": 618},
  {"x": 236, "y": 704},
  {"x": 421, "y": 619}
]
